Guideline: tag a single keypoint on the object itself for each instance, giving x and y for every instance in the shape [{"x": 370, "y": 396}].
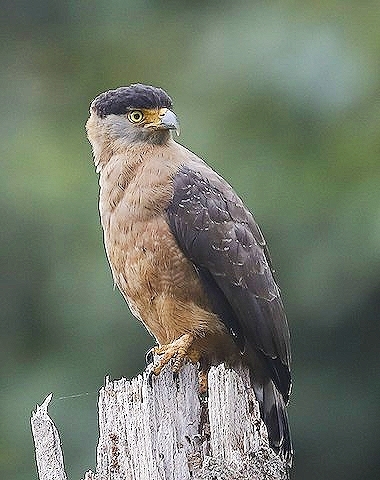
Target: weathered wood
[
  {"x": 160, "y": 429},
  {"x": 47, "y": 444}
]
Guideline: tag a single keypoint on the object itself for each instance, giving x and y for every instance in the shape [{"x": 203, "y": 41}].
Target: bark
[{"x": 161, "y": 429}]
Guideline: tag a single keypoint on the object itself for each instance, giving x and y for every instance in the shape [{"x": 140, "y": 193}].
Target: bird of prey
[{"x": 186, "y": 254}]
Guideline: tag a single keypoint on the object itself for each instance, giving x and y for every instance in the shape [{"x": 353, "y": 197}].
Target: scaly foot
[{"x": 178, "y": 350}]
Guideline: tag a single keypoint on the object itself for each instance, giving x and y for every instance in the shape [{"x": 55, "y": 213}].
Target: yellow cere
[{"x": 150, "y": 117}]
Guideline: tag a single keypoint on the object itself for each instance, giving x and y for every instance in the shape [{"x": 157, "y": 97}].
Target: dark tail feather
[{"x": 275, "y": 417}]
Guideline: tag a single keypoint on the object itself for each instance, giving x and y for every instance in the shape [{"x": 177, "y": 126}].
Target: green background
[{"x": 282, "y": 98}]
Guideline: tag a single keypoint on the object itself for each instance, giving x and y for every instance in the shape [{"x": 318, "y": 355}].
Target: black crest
[{"x": 122, "y": 99}]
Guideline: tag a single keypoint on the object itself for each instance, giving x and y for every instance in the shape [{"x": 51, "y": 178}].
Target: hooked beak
[{"x": 167, "y": 120}]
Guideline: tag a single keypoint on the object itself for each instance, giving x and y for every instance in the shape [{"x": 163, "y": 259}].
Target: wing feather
[{"x": 220, "y": 236}]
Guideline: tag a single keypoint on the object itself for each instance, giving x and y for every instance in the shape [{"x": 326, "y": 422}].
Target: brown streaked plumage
[{"x": 185, "y": 252}]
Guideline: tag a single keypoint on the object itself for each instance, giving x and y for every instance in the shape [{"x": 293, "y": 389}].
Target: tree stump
[{"x": 162, "y": 429}]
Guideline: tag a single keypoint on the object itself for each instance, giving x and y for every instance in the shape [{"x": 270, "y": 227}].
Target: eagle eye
[{"x": 135, "y": 116}]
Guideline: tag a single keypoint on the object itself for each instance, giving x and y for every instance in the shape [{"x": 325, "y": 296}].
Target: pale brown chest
[
  {"x": 157, "y": 280},
  {"x": 146, "y": 261}
]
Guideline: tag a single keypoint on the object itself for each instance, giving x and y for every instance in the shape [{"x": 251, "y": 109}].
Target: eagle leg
[{"x": 178, "y": 350}]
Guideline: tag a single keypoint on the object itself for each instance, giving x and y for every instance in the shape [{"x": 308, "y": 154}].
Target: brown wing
[{"x": 219, "y": 235}]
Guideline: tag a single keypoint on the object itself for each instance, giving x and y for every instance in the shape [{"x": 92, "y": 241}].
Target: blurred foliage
[{"x": 282, "y": 98}]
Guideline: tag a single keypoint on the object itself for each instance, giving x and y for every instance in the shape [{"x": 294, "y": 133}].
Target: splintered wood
[
  {"x": 160, "y": 429},
  {"x": 47, "y": 444}
]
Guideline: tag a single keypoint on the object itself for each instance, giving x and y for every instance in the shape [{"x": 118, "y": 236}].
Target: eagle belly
[{"x": 160, "y": 284}]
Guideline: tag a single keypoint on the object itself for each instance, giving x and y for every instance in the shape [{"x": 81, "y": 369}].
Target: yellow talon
[{"x": 178, "y": 351}]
